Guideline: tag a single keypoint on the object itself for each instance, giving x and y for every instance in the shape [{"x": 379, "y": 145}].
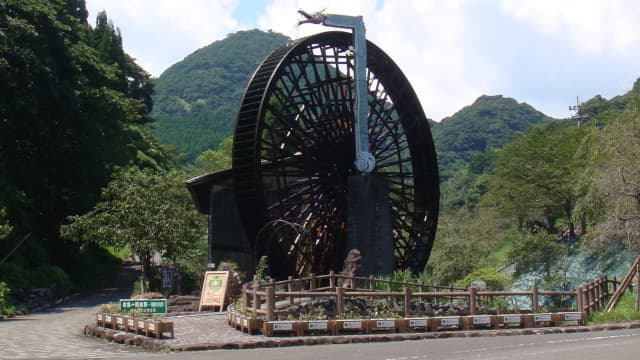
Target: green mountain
[
  {"x": 197, "y": 99},
  {"x": 488, "y": 123}
]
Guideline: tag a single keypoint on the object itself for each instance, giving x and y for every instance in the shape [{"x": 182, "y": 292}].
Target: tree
[
  {"x": 70, "y": 112},
  {"x": 145, "y": 211},
  {"x": 536, "y": 177},
  {"x": 215, "y": 160},
  {"x": 612, "y": 180}
]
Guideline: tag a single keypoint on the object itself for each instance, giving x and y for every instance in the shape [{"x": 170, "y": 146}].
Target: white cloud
[
  {"x": 594, "y": 26},
  {"x": 425, "y": 38}
]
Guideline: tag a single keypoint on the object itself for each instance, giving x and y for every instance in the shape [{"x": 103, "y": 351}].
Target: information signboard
[
  {"x": 153, "y": 306},
  {"x": 214, "y": 289}
]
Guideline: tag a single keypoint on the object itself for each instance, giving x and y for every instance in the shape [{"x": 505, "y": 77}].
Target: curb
[{"x": 162, "y": 345}]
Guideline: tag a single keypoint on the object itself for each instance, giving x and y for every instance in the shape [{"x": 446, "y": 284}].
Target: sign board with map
[{"x": 214, "y": 289}]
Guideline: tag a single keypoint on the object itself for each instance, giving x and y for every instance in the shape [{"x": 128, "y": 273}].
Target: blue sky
[{"x": 543, "y": 52}]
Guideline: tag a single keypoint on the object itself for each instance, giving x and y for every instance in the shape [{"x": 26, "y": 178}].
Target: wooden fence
[{"x": 259, "y": 298}]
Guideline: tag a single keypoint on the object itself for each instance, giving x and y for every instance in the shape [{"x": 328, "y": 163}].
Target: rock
[
  {"x": 351, "y": 267},
  {"x": 119, "y": 337}
]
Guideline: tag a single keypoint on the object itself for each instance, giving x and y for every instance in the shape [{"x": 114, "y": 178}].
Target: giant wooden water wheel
[{"x": 293, "y": 152}]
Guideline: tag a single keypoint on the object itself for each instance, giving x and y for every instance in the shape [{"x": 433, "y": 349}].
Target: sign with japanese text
[
  {"x": 214, "y": 289},
  {"x": 153, "y": 306}
]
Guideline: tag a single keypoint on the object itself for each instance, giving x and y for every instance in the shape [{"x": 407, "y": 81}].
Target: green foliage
[
  {"x": 73, "y": 107},
  {"x": 145, "y": 211},
  {"x": 465, "y": 240},
  {"x": 495, "y": 280},
  {"x": 489, "y": 122},
  {"x": 197, "y": 99},
  {"x": 538, "y": 253},
  {"x": 216, "y": 160},
  {"x": 535, "y": 177},
  {"x": 262, "y": 270},
  {"x": 6, "y": 308},
  {"x": 624, "y": 311}
]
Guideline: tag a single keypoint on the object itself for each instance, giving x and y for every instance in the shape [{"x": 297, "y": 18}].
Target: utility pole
[{"x": 577, "y": 108}]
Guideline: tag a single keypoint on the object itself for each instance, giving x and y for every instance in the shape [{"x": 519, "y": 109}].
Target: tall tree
[
  {"x": 67, "y": 117},
  {"x": 146, "y": 212},
  {"x": 536, "y": 177}
]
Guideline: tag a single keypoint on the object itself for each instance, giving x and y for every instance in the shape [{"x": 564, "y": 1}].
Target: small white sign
[
  {"x": 450, "y": 321},
  {"x": 352, "y": 325},
  {"x": 511, "y": 319},
  {"x": 282, "y": 326},
  {"x": 542, "y": 317},
  {"x": 130, "y": 322},
  {"x": 573, "y": 317},
  {"x": 99, "y": 317},
  {"x": 245, "y": 322},
  {"x": 417, "y": 322},
  {"x": 152, "y": 326},
  {"x": 107, "y": 318},
  {"x": 140, "y": 324},
  {"x": 481, "y": 320},
  {"x": 120, "y": 321},
  {"x": 385, "y": 324},
  {"x": 321, "y": 325}
]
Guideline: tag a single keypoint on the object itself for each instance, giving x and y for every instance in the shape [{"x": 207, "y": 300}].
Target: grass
[
  {"x": 498, "y": 257},
  {"x": 624, "y": 311}
]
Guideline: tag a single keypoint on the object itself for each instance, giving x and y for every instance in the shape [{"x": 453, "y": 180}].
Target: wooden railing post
[
  {"x": 638, "y": 288},
  {"x": 407, "y": 300},
  {"x": 271, "y": 302},
  {"x": 589, "y": 298},
  {"x": 615, "y": 284},
  {"x": 332, "y": 281},
  {"x": 472, "y": 300},
  {"x": 598, "y": 293},
  {"x": 534, "y": 299},
  {"x": 340, "y": 300},
  {"x": 371, "y": 283},
  {"x": 245, "y": 296},
  {"x": 290, "y": 288},
  {"x": 579, "y": 299},
  {"x": 255, "y": 303},
  {"x": 312, "y": 282}
]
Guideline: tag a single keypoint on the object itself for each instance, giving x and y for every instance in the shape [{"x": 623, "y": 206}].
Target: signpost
[
  {"x": 214, "y": 289},
  {"x": 153, "y": 306}
]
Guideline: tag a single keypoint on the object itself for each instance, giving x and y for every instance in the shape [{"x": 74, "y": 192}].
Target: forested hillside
[
  {"x": 489, "y": 122},
  {"x": 197, "y": 99}
]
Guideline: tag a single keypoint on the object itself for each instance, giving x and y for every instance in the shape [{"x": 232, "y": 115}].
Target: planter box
[
  {"x": 251, "y": 325},
  {"x": 130, "y": 324},
  {"x": 141, "y": 327},
  {"x": 569, "y": 318},
  {"x": 379, "y": 325},
  {"x": 342, "y": 326},
  {"x": 533, "y": 320},
  {"x": 317, "y": 326},
  {"x": 120, "y": 323},
  {"x": 159, "y": 328},
  {"x": 414, "y": 324},
  {"x": 445, "y": 323},
  {"x": 479, "y": 321},
  {"x": 108, "y": 320},
  {"x": 271, "y": 328},
  {"x": 510, "y": 320}
]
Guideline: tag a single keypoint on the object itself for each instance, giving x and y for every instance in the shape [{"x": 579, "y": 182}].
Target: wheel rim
[{"x": 294, "y": 149}]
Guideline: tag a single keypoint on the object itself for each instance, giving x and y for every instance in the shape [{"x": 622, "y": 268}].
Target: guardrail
[{"x": 259, "y": 298}]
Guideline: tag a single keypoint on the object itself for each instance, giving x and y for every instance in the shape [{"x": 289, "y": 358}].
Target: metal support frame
[{"x": 365, "y": 162}]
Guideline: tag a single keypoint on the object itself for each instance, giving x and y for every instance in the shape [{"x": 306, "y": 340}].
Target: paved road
[
  {"x": 618, "y": 345},
  {"x": 57, "y": 333}
]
